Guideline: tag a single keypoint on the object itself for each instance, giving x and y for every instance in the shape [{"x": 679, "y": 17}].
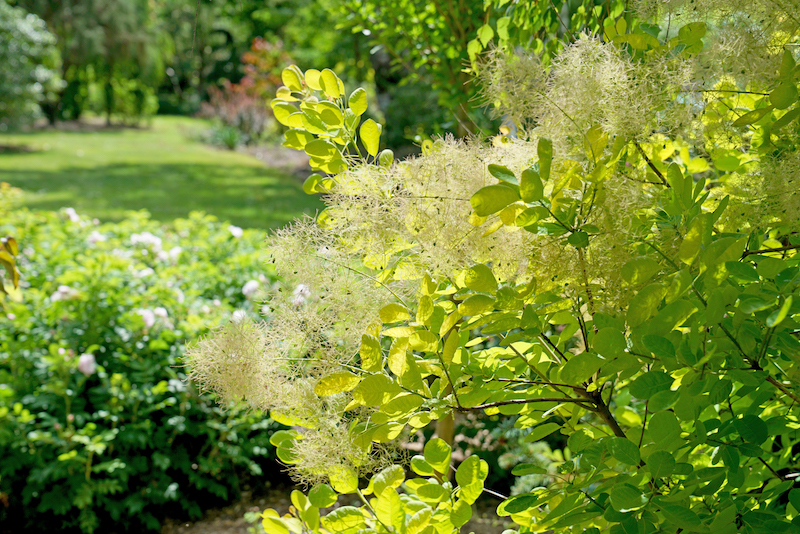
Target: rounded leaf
[
  {"x": 437, "y": 453},
  {"x": 336, "y": 383},
  {"x": 370, "y": 133},
  {"x": 493, "y": 198},
  {"x": 358, "y": 101},
  {"x": 322, "y": 496}
]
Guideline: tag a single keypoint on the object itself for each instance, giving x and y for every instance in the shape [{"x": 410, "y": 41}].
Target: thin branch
[
  {"x": 768, "y": 250},
  {"x": 651, "y": 164},
  {"x": 518, "y": 401},
  {"x": 760, "y": 459}
]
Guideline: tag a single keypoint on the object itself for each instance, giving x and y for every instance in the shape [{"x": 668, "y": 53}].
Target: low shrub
[{"x": 98, "y": 426}]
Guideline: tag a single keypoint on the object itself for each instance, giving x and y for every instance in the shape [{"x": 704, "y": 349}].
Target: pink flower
[{"x": 87, "y": 364}]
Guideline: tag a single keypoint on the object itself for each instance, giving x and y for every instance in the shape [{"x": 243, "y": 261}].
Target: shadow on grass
[{"x": 252, "y": 197}]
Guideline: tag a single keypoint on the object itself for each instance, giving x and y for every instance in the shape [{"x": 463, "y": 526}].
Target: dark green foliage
[{"x": 119, "y": 443}]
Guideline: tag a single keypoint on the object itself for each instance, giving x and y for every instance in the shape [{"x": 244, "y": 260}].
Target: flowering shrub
[
  {"x": 97, "y": 424},
  {"x": 621, "y": 275}
]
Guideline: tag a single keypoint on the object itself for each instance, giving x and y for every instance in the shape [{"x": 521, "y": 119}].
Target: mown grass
[{"x": 105, "y": 172}]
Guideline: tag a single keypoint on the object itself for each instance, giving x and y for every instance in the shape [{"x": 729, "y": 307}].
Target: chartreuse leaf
[
  {"x": 343, "y": 479},
  {"x": 480, "y": 278},
  {"x": 292, "y": 78},
  {"x": 336, "y": 383},
  {"x": 476, "y": 305},
  {"x": 370, "y": 133},
  {"x": 640, "y": 270},
  {"x": 389, "y": 509},
  {"x": 358, "y": 101},
  {"x": 544, "y": 149},
  {"x": 385, "y": 158},
  {"x": 392, "y": 313},
  {"x": 784, "y": 95},
  {"x": 777, "y": 317},
  {"x": 790, "y": 115},
  {"x": 272, "y": 523},
  {"x": 322, "y": 496},
  {"x": 531, "y": 188},
  {"x": 424, "y": 341},
  {"x": 371, "y": 354},
  {"x": 528, "y": 469},
  {"x": 345, "y": 519},
  {"x": 541, "y": 431},
  {"x": 375, "y": 390},
  {"x": 330, "y": 83},
  {"x": 437, "y": 454},
  {"x": 751, "y": 117},
  {"x": 470, "y": 476},
  {"x": 417, "y": 522},
  {"x": 312, "y": 78},
  {"x": 421, "y": 467},
  {"x": 462, "y": 512},
  {"x": 645, "y": 303},
  {"x": 493, "y": 198}
]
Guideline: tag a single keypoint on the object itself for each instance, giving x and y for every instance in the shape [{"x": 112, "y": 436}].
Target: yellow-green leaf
[
  {"x": 336, "y": 383},
  {"x": 370, "y": 132},
  {"x": 392, "y": 313},
  {"x": 358, "y": 101}
]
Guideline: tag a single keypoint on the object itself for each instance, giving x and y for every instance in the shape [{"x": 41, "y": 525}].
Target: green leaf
[
  {"x": 752, "y": 429},
  {"x": 730, "y": 457},
  {"x": 437, "y": 454},
  {"x": 480, "y": 278},
  {"x": 645, "y": 303},
  {"x": 336, "y": 383},
  {"x": 743, "y": 271},
  {"x": 640, "y": 270},
  {"x": 783, "y": 96},
  {"x": 282, "y": 110},
  {"x": 531, "y": 188},
  {"x": 385, "y": 158},
  {"x": 393, "y": 313},
  {"x": 432, "y": 493},
  {"x": 322, "y": 149},
  {"x": 682, "y": 517},
  {"x": 690, "y": 246},
  {"x": 297, "y": 139},
  {"x": 503, "y": 174},
  {"x": 609, "y": 342},
  {"x": 661, "y": 464},
  {"x": 794, "y": 498},
  {"x": 370, "y": 133},
  {"x": 541, "y": 431},
  {"x": 473, "y": 470},
  {"x": 625, "y": 498},
  {"x": 358, "y": 101},
  {"x": 371, "y": 354},
  {"x": 790, "y": 115},
  {"x": 493, "y": 198},
  {"x": 777, "y": 317},
  {"x": 749, "y": 118},
  {"x": 345, "y": 520},
  {"x": 664, "y": 429},
  {"x": 518, "y": 504},
  {"x": 544, "y": 149},
  {"x": 528, "y": 469},
  {"x": 660, "y": 347},
  {"x": 462, "y": 512},
  {"x": 649, "y": 384},
  {"x": 580, "y": 368},
  {"x": 624, "y": 450},
  {"x": 578, "y": 239},
  {"x": 322, "y": 496},
  {"x": 578, "y": 441},
  {"x": 421, "y": 467}
]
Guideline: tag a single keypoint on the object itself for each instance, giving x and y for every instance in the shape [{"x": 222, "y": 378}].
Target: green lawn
[{"x": 103, "y": 173}]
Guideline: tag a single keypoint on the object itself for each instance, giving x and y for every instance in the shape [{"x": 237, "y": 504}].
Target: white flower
[
  {"x": 216, "y": 302},
  {"x": 147, "y": 238},
  {"x": 63, "y": 293},
  {"x": 265, "y": 309},
  {"x": 147, "y": 271},
  {"x": 174, "y": 252},
  {"x": 148, "y": 317},
  {"x": 95, "y": 237},
  {"x": 235, "y": 231},
  {"x": 11, "y": 316},
  {"x": 205, "y": 309},
  {"x": 72, "y": 215},
  {"x": 87, "y": 364},
  {"x": 96, "y": 221},
  {"x": 250, "y": 288},
  {"x": 180, "y": 296},
  {"x": 238, "y": 316},
  {"x": 162, "y": 255},
  {"x": 160, "y": 311}
]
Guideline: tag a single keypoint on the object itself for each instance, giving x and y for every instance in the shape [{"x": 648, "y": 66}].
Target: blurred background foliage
[{"x": 128, "y": 59}]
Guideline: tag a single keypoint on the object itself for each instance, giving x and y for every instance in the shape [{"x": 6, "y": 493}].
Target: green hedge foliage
[{"x": 98, "y": 426}]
